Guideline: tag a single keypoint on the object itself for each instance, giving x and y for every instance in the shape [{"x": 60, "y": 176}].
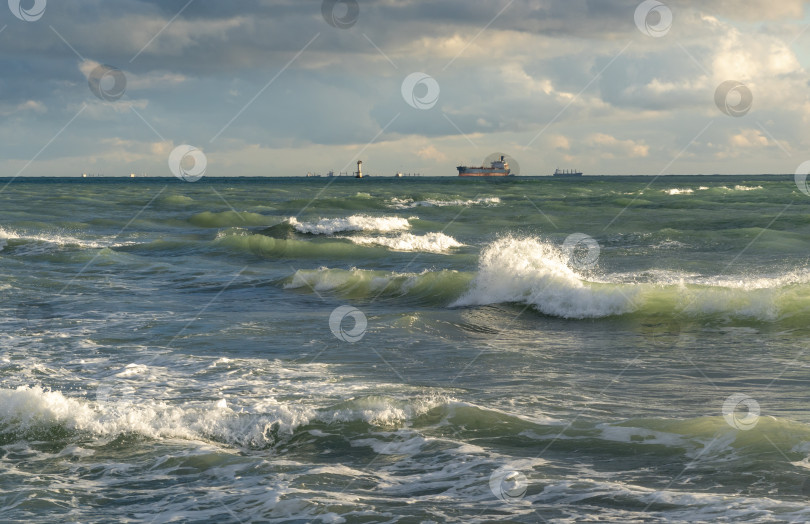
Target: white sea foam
[
  {"x": 740, "y": 188},
  {"x": 430, "y": 243},
  {"x": 683, "y": 505},
  {"x": 678, "y": 191},
  {"x": 57, "y": 239},
  {"x": 330, "y": 226},
  {"x": 409, "y": 446},
  {"x": 409, "y": 203},
  {"x": 253, "y": 422},
  {"x": 534, "y": 272}
]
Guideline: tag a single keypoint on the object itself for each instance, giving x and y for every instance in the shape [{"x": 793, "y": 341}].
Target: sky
[{"x": 286, "y": 87}]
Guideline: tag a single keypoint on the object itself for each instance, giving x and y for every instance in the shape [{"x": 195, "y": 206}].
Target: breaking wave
[
  {"x": 534, "y": 272},
  {"x": 45, "y": 242},
  {"x": 330, "y": 226},
  {"x": 409, "y": 203},
  {"x": 38, "y": 413},
  {"x": 429, "y": 243}
]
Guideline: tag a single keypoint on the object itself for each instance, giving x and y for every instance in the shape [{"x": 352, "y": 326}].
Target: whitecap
[
  {"x": 330, "y": 226},
  {"x": 430, "y": 243}
]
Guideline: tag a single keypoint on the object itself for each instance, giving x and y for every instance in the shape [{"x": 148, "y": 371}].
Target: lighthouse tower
[{"x": 359, "y": 172}]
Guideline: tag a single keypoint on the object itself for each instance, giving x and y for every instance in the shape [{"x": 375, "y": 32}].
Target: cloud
[
  {"x": 33, "y": 106},
  {"x": 749, "y": 138},
  {"x": 611, "y": 146},
  {"x": 431, "y": 153},
  {"x": 575, "y": 81}
]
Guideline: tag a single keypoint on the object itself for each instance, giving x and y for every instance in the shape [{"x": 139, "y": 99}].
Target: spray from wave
[{"x": 534, "y": 272}]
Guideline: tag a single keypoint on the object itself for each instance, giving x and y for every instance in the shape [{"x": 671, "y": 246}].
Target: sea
[{"x": 412, "y": 350}]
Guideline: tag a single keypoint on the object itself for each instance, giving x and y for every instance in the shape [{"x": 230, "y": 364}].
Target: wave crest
[
  {"x": 409, "y": 203},
  {"x": 330, "y": 226},
  {"x": 535, "y": 273},
  {"x": 429, "y": 243}
]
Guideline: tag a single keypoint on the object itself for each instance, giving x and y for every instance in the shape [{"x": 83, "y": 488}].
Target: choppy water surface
[{"x": 178, "y": 351}]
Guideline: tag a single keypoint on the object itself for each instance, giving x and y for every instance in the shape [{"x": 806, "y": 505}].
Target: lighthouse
[{"x": 359, "y": 172}]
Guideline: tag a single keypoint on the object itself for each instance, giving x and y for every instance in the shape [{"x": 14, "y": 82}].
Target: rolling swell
[
  {"x": 241, "y": 241},
  {"x": 230, "y": 219},
  {"x": 37, "y": 413},
  {"x": 437, "y": 288}
]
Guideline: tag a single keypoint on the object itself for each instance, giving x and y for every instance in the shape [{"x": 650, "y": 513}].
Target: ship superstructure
[
  {"x": 497, "y": 168},
  {"x": 567, "y": 173}
]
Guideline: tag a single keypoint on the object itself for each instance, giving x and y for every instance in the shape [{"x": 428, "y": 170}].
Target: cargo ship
[
  {"x": 497, "y": 168},
  {"x": 567, "y": 173}
]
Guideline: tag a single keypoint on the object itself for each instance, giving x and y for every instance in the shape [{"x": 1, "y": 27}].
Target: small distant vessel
[
  {"x": 497, "y": 168},
  {"x": 567, "y": 173}
]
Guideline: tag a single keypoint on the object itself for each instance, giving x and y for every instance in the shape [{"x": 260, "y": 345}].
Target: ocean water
[{"x": 415, "y": 350}]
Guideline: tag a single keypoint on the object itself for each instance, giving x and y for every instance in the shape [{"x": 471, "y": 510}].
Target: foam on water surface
[{"x": 199, "y": 375}]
